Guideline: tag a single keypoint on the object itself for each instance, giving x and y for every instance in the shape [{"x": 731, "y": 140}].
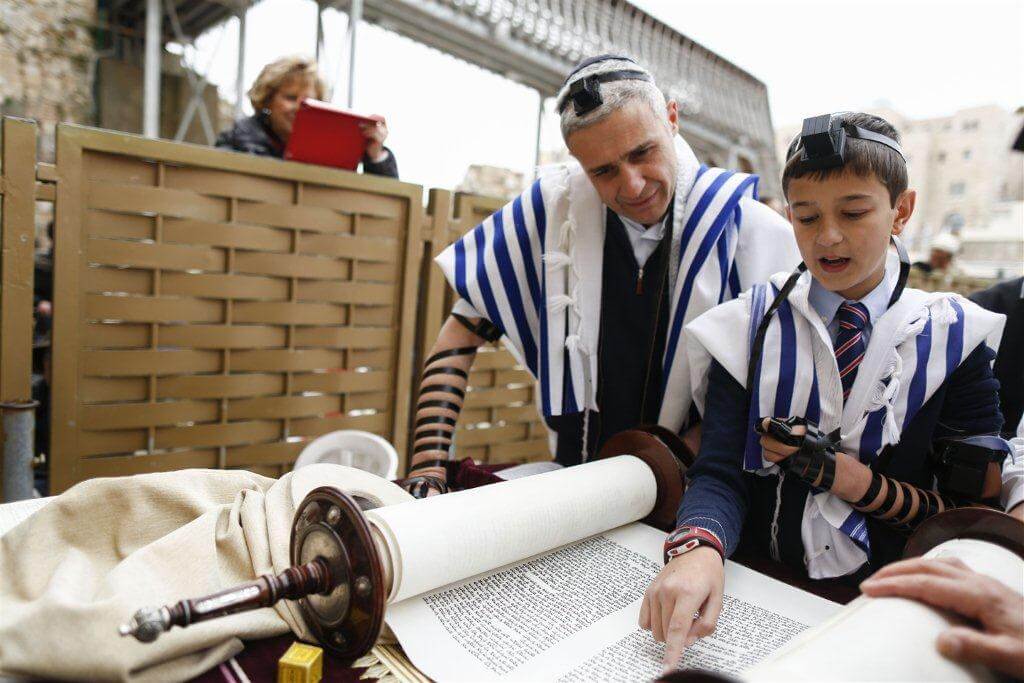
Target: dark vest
[{"x": 631, "y": 344}]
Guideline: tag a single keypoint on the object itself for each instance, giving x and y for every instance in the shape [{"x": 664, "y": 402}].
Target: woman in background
[{"x": 275, "y": 98}]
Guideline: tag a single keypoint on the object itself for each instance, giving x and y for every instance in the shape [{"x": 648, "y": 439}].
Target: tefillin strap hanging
[{"x": 585, "y": 93}]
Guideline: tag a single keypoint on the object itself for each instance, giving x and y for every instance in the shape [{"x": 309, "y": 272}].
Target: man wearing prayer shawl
[
  {"x": 841, "y": 409},
  {"x": 590, "y": 275}
]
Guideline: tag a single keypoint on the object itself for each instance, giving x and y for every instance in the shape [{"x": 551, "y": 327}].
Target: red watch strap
[{"x": 687, "y": 535}]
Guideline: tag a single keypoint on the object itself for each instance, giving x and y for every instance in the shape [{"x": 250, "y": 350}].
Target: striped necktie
[{"x": 849, "y": 345}]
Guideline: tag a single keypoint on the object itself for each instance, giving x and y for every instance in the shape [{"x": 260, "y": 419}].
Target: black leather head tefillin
[
  {"x": 822, "y": 142},
  {"x": 585, "y": 93}
]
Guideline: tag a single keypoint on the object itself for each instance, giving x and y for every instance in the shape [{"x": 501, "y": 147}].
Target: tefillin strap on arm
[
  {"x": 900, "y": 504},
  {"x": 433, "y": 433},
  {"x": 815, "y": 459},
  {"x": 961, "y": 466},
  {"x": 484, "y": 328}
]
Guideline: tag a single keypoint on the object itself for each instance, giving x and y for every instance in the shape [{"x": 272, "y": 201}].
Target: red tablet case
[{"x": 326, "y": 135}]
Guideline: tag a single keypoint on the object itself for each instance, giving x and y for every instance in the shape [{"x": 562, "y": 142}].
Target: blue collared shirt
[{"x": 826, "y": 304}]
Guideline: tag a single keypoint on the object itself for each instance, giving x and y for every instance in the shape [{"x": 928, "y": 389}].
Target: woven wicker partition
[
  {"x": 219, "y": 310},
  {"x": 499, "y": 421}
]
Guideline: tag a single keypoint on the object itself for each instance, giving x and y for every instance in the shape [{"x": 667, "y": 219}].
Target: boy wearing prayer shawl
[
  {"x": 590, "y": 275},
  {"x": 856, "y": 414}
]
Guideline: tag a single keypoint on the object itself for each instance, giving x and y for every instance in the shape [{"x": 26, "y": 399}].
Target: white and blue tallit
[
  {"x": 913, "y": 349},
  {"x": 534, "y": 269}
]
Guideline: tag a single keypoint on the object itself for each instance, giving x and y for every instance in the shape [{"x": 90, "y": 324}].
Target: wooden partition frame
[
  {"x": 216, "y": 309},
  {"x": 17, "y": 247},
  {"x": 499, "y": 422}
]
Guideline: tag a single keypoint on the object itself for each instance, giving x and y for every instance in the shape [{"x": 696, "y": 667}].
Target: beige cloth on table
[{"x": 81, "y": 566}]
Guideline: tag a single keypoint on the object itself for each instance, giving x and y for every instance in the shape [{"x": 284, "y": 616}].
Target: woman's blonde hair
[{"x": 279, "y": 72}]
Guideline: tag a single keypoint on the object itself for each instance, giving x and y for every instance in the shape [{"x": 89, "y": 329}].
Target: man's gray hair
[{"x": 615, "y": 95}]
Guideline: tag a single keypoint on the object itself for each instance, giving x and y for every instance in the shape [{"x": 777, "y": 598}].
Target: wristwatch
[{"x": 687, "y": 538}]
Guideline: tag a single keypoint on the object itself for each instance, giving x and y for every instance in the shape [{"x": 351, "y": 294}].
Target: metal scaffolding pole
[
  {"x": 540, "y": 123},
  {"x": 319, "y": 30},
  {"x": 240, "y": 67},
  {"x": 355, "y": 15},
  {"x": 151, "y": 73}
]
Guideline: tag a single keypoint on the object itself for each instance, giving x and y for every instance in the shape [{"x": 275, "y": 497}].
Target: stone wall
[{"x": 47, "y": 63}]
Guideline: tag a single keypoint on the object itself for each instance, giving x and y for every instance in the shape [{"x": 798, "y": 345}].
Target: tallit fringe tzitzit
[
  {"x": 886, "y": 390},
  {"x": 560, "y": 260}
]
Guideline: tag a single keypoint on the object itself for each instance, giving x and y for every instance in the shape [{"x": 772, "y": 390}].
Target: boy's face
[
  {"x": 842, "y": 226},
  {"x": 630, "y": 158}
]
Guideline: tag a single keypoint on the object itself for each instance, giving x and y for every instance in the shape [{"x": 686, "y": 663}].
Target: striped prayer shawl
[
  {"x": 533, "y": 268},
  {"x": 905, "y": 364}
]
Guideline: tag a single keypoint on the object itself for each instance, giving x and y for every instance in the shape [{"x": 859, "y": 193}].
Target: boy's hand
[
  {"x": 688, "y": 585},
  {"x": 774, "y": 450},
  {"x": 997, "y": 641}
]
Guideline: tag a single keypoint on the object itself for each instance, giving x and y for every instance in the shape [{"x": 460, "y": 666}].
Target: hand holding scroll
[
  {"x": 998, "y": 639},
  {"x": 688, "y": 586}
]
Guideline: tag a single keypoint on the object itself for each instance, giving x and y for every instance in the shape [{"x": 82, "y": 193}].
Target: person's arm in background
[
  {"x": 716, "y": 500},
  {"x": 378, "y": 159},
  {"x": 994, "y": 636}
]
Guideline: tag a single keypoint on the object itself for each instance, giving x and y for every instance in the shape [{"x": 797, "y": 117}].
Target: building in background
[
  {"x": 969, "y": 183},
  {"x": 492, "y": 181}
]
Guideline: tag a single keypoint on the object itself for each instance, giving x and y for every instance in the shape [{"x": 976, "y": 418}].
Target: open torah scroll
[
  {"x": 571, "y": 615},
  {"x": 541, "y": 578}
]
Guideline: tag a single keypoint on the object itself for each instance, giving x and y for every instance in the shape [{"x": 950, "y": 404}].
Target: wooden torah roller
[{"x": 348, "y": 563}]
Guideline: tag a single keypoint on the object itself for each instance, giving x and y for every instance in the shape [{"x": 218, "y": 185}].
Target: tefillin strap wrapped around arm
[
  {"x": 484, "y": 328},
  {"x": 961, "y": 466},
  {"x": 432, "y": 434},
  {"x": 900, "y": 504},
  {"x": 815, "y": 459}
]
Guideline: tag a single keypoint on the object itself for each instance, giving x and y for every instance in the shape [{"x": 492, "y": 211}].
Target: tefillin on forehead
[
  {"x": 822, "y": 142},
  {"x": 585, "y": 93}
]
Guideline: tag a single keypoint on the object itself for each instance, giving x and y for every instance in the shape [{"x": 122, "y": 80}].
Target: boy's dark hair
[{"x": 863, "y": 158}]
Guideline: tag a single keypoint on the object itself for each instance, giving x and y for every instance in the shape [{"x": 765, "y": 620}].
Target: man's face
[
  {"x": 631, "y": 160},
  {"x": 842, "y": 226}
]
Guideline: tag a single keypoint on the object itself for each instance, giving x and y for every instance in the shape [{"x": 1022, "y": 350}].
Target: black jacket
[
  {"x": 254, "y": 136},
  {"x": 1008, "y": 298}
]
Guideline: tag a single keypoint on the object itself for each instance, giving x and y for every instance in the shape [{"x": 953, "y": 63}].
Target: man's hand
[
  {"x": 375, "y": 134},
  {"x": 950, "y": 584},
  {"x": 688, "y": 584},
  {"x": 774, "y": 450}
]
